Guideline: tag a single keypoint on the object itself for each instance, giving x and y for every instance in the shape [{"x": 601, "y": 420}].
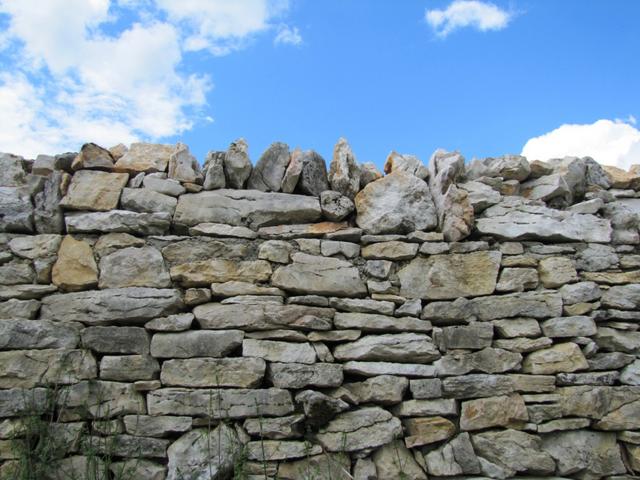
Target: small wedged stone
[
  {"x": 116, "y": 305},
  {"x": 196, "y": 343},
  {"x": 300, "y": 375},
  {"x": 402, "y": 347},
  {"x": 118, "y": 221},
  {"x": 497, "y": 411},
  {"x": 93, "y": 190},
  {"x": 213, "y": 372},
  {"x": 263, "y": 316},
  {"x": 206, "y": 272},
  {"x": 360, "y": 429}
]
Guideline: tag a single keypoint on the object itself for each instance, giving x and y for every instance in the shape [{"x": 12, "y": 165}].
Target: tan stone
[
  {"x": 206, "y": 272},
  {"x": 75, "y": 269},
  {"x": 498, "y": 411},
  {"x": 557, "y": 271},
  {"x": 94, "y": 190},
  {"x": 145, "y": 157},
  {"x": 426, "y": 430},
  {"x": 562, "y": 357},
  {"x": 621, "y": 179}
]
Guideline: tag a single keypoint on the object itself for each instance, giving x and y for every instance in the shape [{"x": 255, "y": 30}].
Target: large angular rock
[
  {"x": 402, "y": 347},
  {"x": 552, "y": 189},
  {"x": 32, "y": 368},
  {"x": 397, "y": 203},
  {"x": 284, "y": 352},
  {"x": 214, "y": 171},
  {"x": 248, "y": 208},
  {"x": 480, "y": 195},
  {"x": 562, "y": 357},
  {"x": 183, "y": 166},
  {"x": 517, "y": 219},
  {"x": 512, "y": 452},
  {"x": 450, "y": 276},
  {"x": 263, "y": 316},
  {"x": 498, "y": 411},
  {"x": 328, "y": 465},
  {"x": 75, "y": 269},
  {"x": 300, "y": 375},
  {"x": 237, "y": 166},
  {"x": 313, "y": 178},
  {"x": 16, "y": 210},
  {"x": 267, "y": 175},
  {"x": 227, "y": 403},
  {"x": 206, "y": 272},
  {"x": 134, "y": 267},
  {"x": 213, "y": 372},
  {"x": 360, "y": 429},
  {"x": 509, "y": 167},
  {"x": 455, "y": 212},
  {"x": 477, "y": 385},
  {"x": 623, "y": 297},
  {"x": 204, "y": 454},
  {"x": 118, "y": 221},
  {"x": 93, "y": 157},
  {"x": 454, "y": 458},
  {"x": 145, "y": 157},
  {"x": 406, "y": 163},
  {"x": 47, "y": 215},
  {"x": 593, "y": 454},
  {"x": 14, "y": 173},
  {"x": 344, "y": 174},
  {"x": 117, "y": 305},
  {"x": 92, "y": 190},
  {"x": 148, "y": 201},
  {"x": 195, "y": 343},
  {"x": 310, "y": 274}
]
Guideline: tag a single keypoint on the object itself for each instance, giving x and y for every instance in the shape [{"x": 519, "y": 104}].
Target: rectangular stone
[
  {"x": 299, "y": 375},
  {"x": 279, "y": 351},
  {"x": 372, "y": 369},
  {"x": 213, "y": 372},
  {"x": 32, "y": 368},
  {"x": 423, "y": 408},
  {"x": 122, "y": 221},
  {"x": 159, "y": 426},
  {"x": 195, "y": 343},
  {"x": 94, "y": 190},
  {"x": 128, "y": 368},
  {"x": 34, "y": 334},
  {"x": 125, "y": 340},
  {"x": 380, "y": 323},
  {"x": 206, "y": 272}
]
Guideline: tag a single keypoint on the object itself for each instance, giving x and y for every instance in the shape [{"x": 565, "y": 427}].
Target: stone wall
[{"x": 445, "y": 321}]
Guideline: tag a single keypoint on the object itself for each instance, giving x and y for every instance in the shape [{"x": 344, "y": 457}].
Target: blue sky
[{"x": 481, "y": 77}]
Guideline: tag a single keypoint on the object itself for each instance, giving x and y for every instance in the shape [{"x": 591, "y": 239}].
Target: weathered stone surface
[
  {"x": 75, "y": 269},
  {"x": 134, "y": 305},
  {"x": 93, "y": 157},
  {"x": 201, "y": 454},
  {"x": 249, "y": 208},
  {"x": 195, "y": 343},
  {"x": 382, "y": 390},
  {"x": 578, "y": 326},
  {"x": 556, "y": 272},
  {"x": 313, "y": 178},
  {"x": 517, "y": 327},
  {"x": 309, "y": 274},
  {"x": 237, "y": 166},
  {"x": 370, "y": 369},
  {"x": 300, "y": 375},
  {"x": 275, "y": 428},
  {"x": 594, "y": 454},
  {"x": 421, "y": 408},
  {"x": 92, "y": 190},
  {"x": 517, "y": 280},
  {"x": 145, "y": 157},
  {"x": 394, "y": 461},
  {"x": 99, "y": 399},
  {"x": 480, "y": 195},
  {"x": 627, "y": 417},
  {"x": 344, "y": 174},
  {"x": 268, "y": 173},
  {"x": 186, "y": 250},
  {"x": 222, "y": 230},
  {"x": 304, "y": 231},
  {"x": 630, "y": 374},
  {"x": 454, "y": 458},
  {"x": 513, "y": 452},
  {"x": 509, "y": 167},
  {"x": 37, "y": 246},
  {"x": 22, "y": 335},
  {"x": 274, "y": 351},
  {"x": 380, "y": 323},
  {"x": 424, "y": 431},
  {"x": 518, "y": 219},
  {"x": 624, "y": 297},
  {"x": 171, "y": 323},
  {"x": 272, "y": 450},
  {"x": 128, "y": 368},
  {"x": 327, "y": 465},
  {"x": 402, "y": 347},
  {"x": 47, "y": 214},
  {"x": 500, "y": 411},
  {"x": 205, "y": 272},
  {"x": 183, "y": 166},
  {"x": 450, "y": 276},
  {"x": 159, "y": 183},
  {"x": 16, "y": 210},
  {"x": 562, "y": 357},
  {"x": 487, "y": 360},
  {"x": 14, "y": 308},
  {"x": 473, "y": 336},
  {"x": 162, "y": 426},
  {"x": 145, "y": 200},
  {"x": 263, "y": 316},
  {"x": 613, "y": 340},
  {"x": 123, "y": 340},
  {"x": 292, "y": 172},
  {"x": 397, "y": 203},
  {"x": 360, "y": 429},
  {"x": 523, "y": 345},
  {"x": 229, "y": 403},
  {"x": 477, "y": 386},
  {"x": 406, "y": 163},
  {"x": 213, "y": 171},
  {"x": 335, "y": 206},
  {"x": 392, "y": 250},
  {"x": 122, "y": 221},
  {"x": 213, "y": 372},
  {"x": 13, "y": 173},
  {"x": 538, "y": 304},
  {"x": 32, "y": 368},
  {"x": 134, "y": 267},
  {"x": 16, "y": 272},
  {"x": 552, "y": 189},
  {"x": 330, "y": 248}
]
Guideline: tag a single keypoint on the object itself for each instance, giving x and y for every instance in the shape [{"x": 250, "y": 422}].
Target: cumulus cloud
[
  {"x": 610, "y": 142},
  {"x": 476, "y": 14},
  {"x": 288, "y": 36},
  {"x": 113, "y": 70}
]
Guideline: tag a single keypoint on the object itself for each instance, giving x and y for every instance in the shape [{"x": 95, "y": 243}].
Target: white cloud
[
  {"x": 288, "y": 36},
  {"x": 467, "y": 13},
  {"x": 112, "y": 71},
  {"x": 608, "y": 142}
]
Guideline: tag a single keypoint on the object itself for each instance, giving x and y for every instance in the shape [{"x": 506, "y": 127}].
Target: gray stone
[
  {"x": 40, "y": 334},
  {"x": 300, "y": 375},
  {"x": 517, "y": 327},
  {"x": 133, "y": 305},
  {"x": 402, "y": 347},
  {"x": 128, "y": 368},
  {"x": 562, "y": 357},
  {"x": 328, "y": 465},
  {"x": 494, "y": 411},
  {"x": 487, "y": 360},
  {"x": 578, "y": 326},
  {"x": 411, "y": 307},
  {"x": 580, "y": 292},
  {"x": 609, "y": 361},
  {"x": 274, "y": 351},
  {"x": 480, "y": 195},
  {"x": 313, "y": 178},
  {"x": 32, "y": 368},
  {"x": 427, "y": 388},
  {"x": 133, "y": 267},
  {"x": 148, "y": 426},
  {"x": 593, "y": 454},
  {"x": 509, "y": 167},
  {"x": 613, "y": 340},
  {"x": 194, "y": 249},
  {"x": 344, "y": 174},
  {"x": 330, "y": 248},
  {"x": 360, "y": 429},
  {"x": 47, "y": 215},
  {"x": 214, "y": 171},
  {"x": 380, "y": 390},
  {"x": 37, "y": 246},
  {"x": 394, "y": 460},
  {"x": 145, "y": 200},
  {"x": 206, "y": 272},
  {"x": 523, "y": 345},
  {"x": 110, "y": 340},
  {"x": 16, "y": 210},
  {"x": 213, "y": 372},
  {"x": 122, "y": 221},
  {"x": 157, "y": 182},
  {"x": 99, "y": 399},
  {"x": 263, "y": 316},
  {"x": 550, "y": 188},
  {"x": 183, "y": 166},
  {"x": 371, "y": 369},
  {"x": 624, "y": 297},
  {"x": 538, "y": 304},
  {"x": 16, "y": 272},
  {"x": 222, "y": 230},
  {"x": 292, "y": 172},
  {"x": 473, "y": 336},
  {"x": 450, "y": 276},
  {"x": 14, "y": 308},
  {"x": 477, "y": 386},
  {"x": 517, "y": 219},
  {"x": 237, "y": 166},
  {"x": 380, "y": 323},
  {"x": 335, "y": 206},
  {"x": 406, "y": 163},
  {"x": 397, "y": 203},
  {"x": 630, "y": 374},
  {"x": 125, "y": 446},
  {"x": 18, "y": 401},
  {"x": 319, "y": 275},
  {"x": 319, "y": 408},
  {"x": 172, "y": 323},
  {"x": 268, "y": 173},
  {"x": 145, "y": 157},
  {"x": 454, "y": 458},
  {"x": 195, "y": 343},
  {"x": 275, "y": 428},
  {"x": 13, "y": 173},
  {"x": 201, "y": 454},
  {"x": 272, "y": 450},
  {"x": 517, "y": 280},
  {"x": 248, "y": 208},
  {"x": 228, "y": 403}
]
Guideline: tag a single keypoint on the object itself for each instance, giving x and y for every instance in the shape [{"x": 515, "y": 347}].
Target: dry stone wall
[{"x": 449, "y": 320}]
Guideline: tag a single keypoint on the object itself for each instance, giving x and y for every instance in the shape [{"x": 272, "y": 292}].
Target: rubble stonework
[{"x": 304, "y": 321}]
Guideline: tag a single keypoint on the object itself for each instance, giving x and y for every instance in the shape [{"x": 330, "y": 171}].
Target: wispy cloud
[
  {"x": 288, "y": 36},
  {"x": 610, "y": 142},
  {"x": 114, "y": 70},
  {"x": 459, "y": 14}
]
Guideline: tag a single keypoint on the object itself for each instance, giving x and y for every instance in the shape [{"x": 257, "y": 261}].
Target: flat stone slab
[{"x": 118, "y": 221}]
